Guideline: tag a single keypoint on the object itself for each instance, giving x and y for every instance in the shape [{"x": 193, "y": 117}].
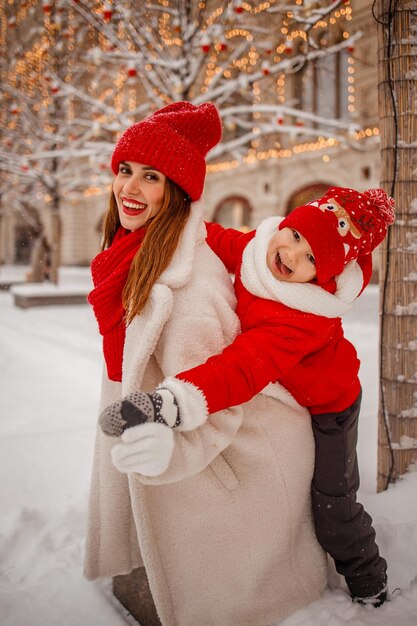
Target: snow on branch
[{"x": 77, "y": 78}]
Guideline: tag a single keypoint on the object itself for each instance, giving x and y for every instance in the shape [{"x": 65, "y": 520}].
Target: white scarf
[{"x": 258, "y": 280}]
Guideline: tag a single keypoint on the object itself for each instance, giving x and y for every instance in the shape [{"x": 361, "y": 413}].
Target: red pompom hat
[
  {"x": 175, "y": 141},
  {"x": 341, "y": 226}
]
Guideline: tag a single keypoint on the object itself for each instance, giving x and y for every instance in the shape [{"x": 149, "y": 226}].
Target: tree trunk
[
  {"x": 40, "y": 260},
  {"x": 56, "y": 227},
  {"x": 56, "y": 244},
  {"x": 397, "y": 74}
]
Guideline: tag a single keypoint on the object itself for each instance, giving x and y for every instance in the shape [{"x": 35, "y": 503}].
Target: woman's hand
[
  {"x": 145, "y": 449},
  {"x": 138, "y": 408}
]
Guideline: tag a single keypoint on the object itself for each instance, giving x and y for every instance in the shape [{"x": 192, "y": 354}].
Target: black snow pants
[{"x": 343, "y": 528}]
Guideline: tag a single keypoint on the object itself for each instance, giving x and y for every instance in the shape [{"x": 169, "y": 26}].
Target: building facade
[{"x": 243, "y": 196}]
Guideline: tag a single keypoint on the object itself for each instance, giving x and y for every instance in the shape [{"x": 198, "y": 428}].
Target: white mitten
[{"x": 145, "y": 449}]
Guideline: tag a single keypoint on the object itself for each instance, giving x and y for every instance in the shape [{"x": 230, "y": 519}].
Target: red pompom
[{"x": 384, "y": 203}]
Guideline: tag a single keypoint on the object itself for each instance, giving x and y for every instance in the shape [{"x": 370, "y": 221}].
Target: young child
[{"x": 294, "y": 279}]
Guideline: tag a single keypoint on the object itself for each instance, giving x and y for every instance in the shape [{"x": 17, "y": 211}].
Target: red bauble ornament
[
  {"x": 265, "y": 68},
  {"x": 205, "y": 43},
  {"x": 289, "y": 46},
  {"x": 131, "y": 74},
  {"x": 238, "y": 9},
  {"x": 351, "y": 49},
  {"x": 47, "y": 6},
  {"x": 107, "y": 12},
  {"x": 280, "y": 120}
]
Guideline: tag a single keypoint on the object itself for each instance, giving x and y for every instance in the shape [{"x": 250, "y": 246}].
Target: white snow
[{"x": 50, "y": 368}]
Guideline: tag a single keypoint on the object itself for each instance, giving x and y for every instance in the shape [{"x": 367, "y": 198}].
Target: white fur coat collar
[{"x": 259, "y": 281}]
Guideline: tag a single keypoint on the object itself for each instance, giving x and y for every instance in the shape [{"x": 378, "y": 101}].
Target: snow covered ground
[{"x": 50, "y": 366}]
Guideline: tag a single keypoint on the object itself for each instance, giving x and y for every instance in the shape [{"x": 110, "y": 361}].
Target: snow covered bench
[{"x": 44, "y": 294}]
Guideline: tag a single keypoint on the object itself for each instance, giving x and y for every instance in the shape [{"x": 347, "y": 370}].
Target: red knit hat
[
  {"x": 342, "y": 225},
  {"x": 175, "y": 141}
]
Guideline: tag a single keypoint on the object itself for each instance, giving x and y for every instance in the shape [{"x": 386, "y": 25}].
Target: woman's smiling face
[{"x": 139, "y": 191}]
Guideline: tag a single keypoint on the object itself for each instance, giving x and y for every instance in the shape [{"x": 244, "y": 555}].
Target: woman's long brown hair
[{"x": 155, "y": 254}]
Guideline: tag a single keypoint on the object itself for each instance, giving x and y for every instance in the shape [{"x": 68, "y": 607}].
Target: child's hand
[
  {"x": 138, "y": 408},
  {"x": 145, "y": 449}
]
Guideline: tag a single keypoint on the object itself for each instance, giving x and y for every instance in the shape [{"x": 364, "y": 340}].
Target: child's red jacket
[{"x": 291, "y": 333}]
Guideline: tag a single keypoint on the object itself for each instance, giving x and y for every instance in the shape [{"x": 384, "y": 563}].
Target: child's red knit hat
[
  {"x": 175, "y": 141},
  {"x": 342, "y": 225}
]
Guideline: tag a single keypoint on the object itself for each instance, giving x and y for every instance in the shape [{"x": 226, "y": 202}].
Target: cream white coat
[{"x": 226, "y": 533}]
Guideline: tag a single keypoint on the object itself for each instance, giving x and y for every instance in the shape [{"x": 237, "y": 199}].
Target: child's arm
[
  {"x": 227, "y": 243},
  {"x": 257, "y": 357}
]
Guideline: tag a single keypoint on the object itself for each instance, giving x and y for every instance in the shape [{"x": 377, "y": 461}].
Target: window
[
  {"x": 23, "y": 244},
  {"x": 235, "y": 213},
  {"x": 320, "y": 86},
  {"x": 307, "y": 194}
]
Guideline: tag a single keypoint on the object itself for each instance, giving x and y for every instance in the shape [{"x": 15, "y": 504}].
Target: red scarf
[{"x": 109, "y": 270}]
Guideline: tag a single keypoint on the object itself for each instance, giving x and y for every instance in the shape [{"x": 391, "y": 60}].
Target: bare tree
[
  {"x": 397, "y": 64},
  {"x": 77, "y": 73},
  {"x": 43, "y": 146},
  {"x": 227, "y": 52}
]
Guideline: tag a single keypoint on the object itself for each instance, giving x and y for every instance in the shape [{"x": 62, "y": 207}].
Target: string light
[
  {"x": 295, "y": 150},
  {"x": 351, "y": 85}
]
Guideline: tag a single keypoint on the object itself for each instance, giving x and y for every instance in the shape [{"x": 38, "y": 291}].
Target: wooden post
[
  {"x": 397, "y": 89},
  {"x": 133, "y": 592}
]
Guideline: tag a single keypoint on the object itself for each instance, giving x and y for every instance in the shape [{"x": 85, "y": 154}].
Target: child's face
[{"x": 290, "y": 258}]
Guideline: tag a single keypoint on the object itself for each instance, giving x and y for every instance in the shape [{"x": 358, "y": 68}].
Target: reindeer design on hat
[
  {"x": 345, "y": 222},
  {"x": 362, "y": 217}
]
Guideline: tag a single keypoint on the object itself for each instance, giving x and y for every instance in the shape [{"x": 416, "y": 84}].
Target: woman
[{"x": 220, "y": 519}]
